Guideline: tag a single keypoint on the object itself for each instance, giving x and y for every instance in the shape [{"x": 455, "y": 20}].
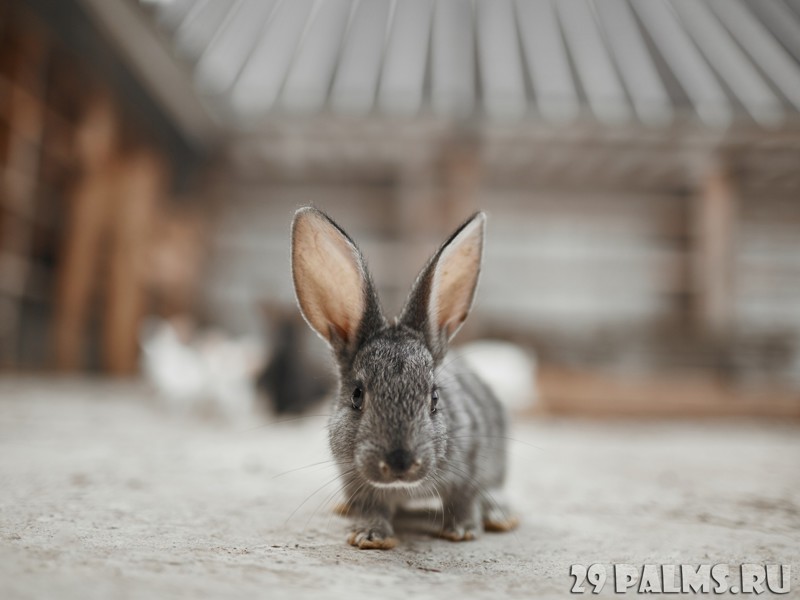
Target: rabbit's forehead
[{"x": 394, "y": 363}]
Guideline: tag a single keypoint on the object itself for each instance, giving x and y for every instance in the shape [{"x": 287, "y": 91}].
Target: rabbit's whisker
[{"x": 314, "y": 493}]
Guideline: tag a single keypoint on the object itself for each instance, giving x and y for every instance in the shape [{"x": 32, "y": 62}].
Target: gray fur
[{"x": 460, "y": 447}]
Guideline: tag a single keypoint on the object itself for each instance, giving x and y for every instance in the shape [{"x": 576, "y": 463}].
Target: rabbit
[{"x": 407, "y": 423}]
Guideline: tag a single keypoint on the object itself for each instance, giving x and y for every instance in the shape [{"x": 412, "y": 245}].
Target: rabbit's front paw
[
  {"x": 500, "y": 522},
  {"x": 464, "y": 521},
  {"x": 459, "y": 533},
  {"x": 498, "y": 517},
  {"x": 372, "y": 538}
]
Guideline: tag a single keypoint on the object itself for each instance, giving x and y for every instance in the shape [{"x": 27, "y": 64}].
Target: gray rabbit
[{"x": 407, "y": 423}]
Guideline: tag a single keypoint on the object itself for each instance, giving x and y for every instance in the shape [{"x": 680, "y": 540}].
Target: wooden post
[
  {"x": 95, "y": 142},
  {"x": 78, "y": 269},
  {"x": 139, "y": 184},
  {"x": 462, "y": 171},
  {"x": 461, "y": 176},
  {"x": 415, "y": 226},
  {"x": 714, "y": 214},
  {"x": 24, "y": 50}
]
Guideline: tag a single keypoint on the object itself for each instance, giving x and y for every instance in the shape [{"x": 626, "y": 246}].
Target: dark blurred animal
[{"x": 292, "y": 381}]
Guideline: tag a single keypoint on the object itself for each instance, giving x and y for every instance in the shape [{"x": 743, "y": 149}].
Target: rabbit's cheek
[{"x": 342, "y": 433}]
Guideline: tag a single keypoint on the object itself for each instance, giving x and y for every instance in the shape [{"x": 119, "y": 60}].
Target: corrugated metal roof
[{"x": 619, "y": 61}]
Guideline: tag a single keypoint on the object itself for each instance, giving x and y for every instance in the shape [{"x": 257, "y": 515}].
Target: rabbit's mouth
[
  {"x": 391, "y": 480},
  {"x": 398, "y": 484}
]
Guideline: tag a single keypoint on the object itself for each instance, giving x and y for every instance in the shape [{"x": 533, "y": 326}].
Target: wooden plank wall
[
  {"x": 554, "y": 259},
  {"x": 767, "y": 263},
  {"x": 702, "y": 274},
  {"x": 249, "y": 257},
  {"x": 579, "y": 261},
  {"x": 37, "y": 116}
]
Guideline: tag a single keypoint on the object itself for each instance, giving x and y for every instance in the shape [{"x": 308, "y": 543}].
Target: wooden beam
[
  {"x": 128, "y": 29},
  {"x": 714, "y": 215}
]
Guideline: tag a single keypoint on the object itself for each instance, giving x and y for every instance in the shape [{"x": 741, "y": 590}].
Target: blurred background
[{"x": 639, "y": 161}]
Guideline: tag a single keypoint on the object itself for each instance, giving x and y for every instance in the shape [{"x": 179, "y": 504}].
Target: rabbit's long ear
[
  {"x": 333, "y": 288},
  {"x": 443, "y": 293}
]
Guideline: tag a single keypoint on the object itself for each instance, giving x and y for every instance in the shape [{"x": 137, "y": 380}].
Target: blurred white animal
[
  {"x": 508, "y": 369},
  {"x": 195, "y": 371}
]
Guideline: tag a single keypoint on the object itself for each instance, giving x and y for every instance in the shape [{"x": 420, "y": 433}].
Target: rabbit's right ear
[{"x": 333, "y": 287}]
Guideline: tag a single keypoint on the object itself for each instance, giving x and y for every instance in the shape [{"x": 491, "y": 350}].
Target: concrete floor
[{"x": 104, "y": 495}]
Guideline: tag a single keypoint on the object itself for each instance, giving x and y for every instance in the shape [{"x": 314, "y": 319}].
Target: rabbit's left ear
[{"x": 442, "y": 296}]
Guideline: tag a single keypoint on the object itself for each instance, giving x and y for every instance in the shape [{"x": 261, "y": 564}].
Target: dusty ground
[{"x": 103, "y": 495}]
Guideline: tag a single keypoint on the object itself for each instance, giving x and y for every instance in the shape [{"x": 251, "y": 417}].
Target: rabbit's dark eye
[
  {"x": 434, "y": 399},
  {"x": 358, "y": 398}
]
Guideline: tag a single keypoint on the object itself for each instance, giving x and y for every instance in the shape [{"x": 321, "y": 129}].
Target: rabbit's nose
[{"x": 399, "y": 461}]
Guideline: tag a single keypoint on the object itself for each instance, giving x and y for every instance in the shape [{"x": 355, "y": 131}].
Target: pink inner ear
[
  {"x": 455, "y": 279},
  {"x": 328, "y": 277},
  {"x": 454, "y": 305}
]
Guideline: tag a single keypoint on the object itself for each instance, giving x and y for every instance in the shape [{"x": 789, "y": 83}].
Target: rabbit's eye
[
  {"x": 434, "y": 399},
  {"x": 358, "y": 398}
]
